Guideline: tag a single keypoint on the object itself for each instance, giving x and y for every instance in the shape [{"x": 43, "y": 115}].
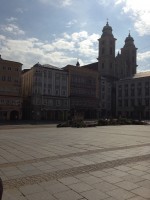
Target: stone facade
[
  {"x": 45, "y": 93},
  {"x": 133, "y": 96},
  {"x": 83, "y": 91},
  {"x": 110, "y": 87},
  {"x": 10, "y": 90}
]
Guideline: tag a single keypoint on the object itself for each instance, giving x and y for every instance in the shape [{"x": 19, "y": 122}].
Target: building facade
[
  {"x": 10, "y": 90},
  {"x": 110, "y": 87},
  {"x": 45, "y": 93},
  {"x": 133, "y": 96},
  {"x": 83, "y": 91}
]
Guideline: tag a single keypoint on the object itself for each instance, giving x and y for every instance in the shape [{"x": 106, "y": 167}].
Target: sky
[{"x": 60, "y": 32}]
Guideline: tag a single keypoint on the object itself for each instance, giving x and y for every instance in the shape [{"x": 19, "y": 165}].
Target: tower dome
[
  {"x": 107, "y": 30},
  {"x": 37, "y": 65},
  {"x": 129, "y": 39}
]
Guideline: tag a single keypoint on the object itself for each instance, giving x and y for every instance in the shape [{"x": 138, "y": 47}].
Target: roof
[
  {"x": 51, "y": 66},
  {"x": 9, "y": 61},
  {"x": 47, "y": 66},
  {"x": 138, "y": 75},
  {"x": 92, "y": 66},
  {"x": 142, "y": 74}
]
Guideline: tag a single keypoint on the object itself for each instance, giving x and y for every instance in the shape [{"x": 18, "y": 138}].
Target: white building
[{"x": 45, "y": 93}]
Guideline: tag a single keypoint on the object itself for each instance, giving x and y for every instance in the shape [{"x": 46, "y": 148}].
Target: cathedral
[
  {"x": 122, "y": 91},
  {"x": 121, "y": 66}
]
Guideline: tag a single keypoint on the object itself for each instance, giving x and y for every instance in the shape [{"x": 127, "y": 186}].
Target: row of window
[
  {"x": 10, "y": 68},
  {"x": 133, "y": 92},
  {"x": 138, "y": 84},
  {"x": 110, "y": 65},
  {"x": 10, "y": 102},
  {"x": 83, "y": 91},
  {"x": 133, "y": 102},
  {"x": 11, "y": 90},
  {"x": 9, "y": 79},
  {"x": 48, "y": 74},
  {"x": 51, "y": 102},
  {"x": 57, "y": 92},
  {"x": 104, "y": 51},
  {"x": 82, "y": 80}
]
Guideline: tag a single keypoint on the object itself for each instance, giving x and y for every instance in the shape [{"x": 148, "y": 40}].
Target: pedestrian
[{"x": 1, "y": 188}]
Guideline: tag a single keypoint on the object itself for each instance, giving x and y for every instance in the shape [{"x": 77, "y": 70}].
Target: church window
[
  {"x": 110, "y": 50},
  {"x": 120, "y": 103},
  {"x": 126, "y": 102},
  {"x": 147, "y": 101},
  {"x": 103, "y": 50},
  {"x": 132, "y": 59},
  {"x": 132, "y": 102},
  {"x": 102, "y": 65},
  {"x": 110, "y": 65}
]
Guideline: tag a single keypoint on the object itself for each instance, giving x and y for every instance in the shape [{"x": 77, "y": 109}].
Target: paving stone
[
  {"x": 69, "y": 180},
  {"x": 123, "y": 168},
  {"x": 137, "y": 198},
  {"x": 120, "y": 194},
  {"x": 41, "y": 196},
  {"x": 53, "y": 161},
  {"x": 68, "y": 195},
  {"x": 104, "y": 186},
  {"x": 80, "y": 187},
  {"x": 133, "y": 178},
  {"x": 127, "y": 185},
  {"x": 137, "y": 172},
  {"x": 111, "y": 179},
  {"x": 59, "y": 187},
  {"x": 99, "y": 173},
  {"x": 90, "y": 179},
  {"x": 143, "y": 192},
  {"x": 30, "y": 189},
  {"x": 94, "y": 195},
  {"x": 145, "y": 183}
]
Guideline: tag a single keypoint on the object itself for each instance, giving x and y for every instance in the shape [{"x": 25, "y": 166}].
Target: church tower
[
  {"x": 106, "y": 58},
  {"x": 129, "y": 54}
]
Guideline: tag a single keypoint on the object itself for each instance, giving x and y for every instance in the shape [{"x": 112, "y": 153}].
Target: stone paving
[{"x": 43, "y": 162}]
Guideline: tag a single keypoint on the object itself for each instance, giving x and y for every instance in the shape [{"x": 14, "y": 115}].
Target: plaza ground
[{"x": 42, "y": 162}]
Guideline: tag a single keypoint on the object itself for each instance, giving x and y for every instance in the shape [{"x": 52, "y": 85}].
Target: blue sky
[{"x": 58, "y": 32}]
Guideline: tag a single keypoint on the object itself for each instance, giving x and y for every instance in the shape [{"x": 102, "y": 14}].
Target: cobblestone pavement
[{"x": 49, "y": 163}]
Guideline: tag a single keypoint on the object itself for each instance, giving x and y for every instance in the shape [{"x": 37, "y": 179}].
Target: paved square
[{"x": 43, "y": 162}]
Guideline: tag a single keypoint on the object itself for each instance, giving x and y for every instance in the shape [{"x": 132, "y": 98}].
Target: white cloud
[
  {"x": 104, "y": 2},
  {"x": 139, "y": 11},
  {"x": 71, "y": 23},
  {"x": 59, "y": 52},
  {"x": 60, "y": 3},
  {"x": 79, "y": 35},
  {"x": 19, "y": 10},
  {"x": 11, "y": 19},
  {"x": 144, "y": 60},
  {"x": 12, "y": 29}
]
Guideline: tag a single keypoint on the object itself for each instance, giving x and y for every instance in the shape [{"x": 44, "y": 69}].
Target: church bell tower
[{"x": 106, "y": 57}]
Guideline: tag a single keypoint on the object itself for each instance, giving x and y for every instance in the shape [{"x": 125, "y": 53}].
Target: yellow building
[{"x": 10, "y": 90}]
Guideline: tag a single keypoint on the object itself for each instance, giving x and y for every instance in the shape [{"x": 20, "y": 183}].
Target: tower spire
[
  {"x": 107, "y": 22},
  {"x": 129, "y": 33}
]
